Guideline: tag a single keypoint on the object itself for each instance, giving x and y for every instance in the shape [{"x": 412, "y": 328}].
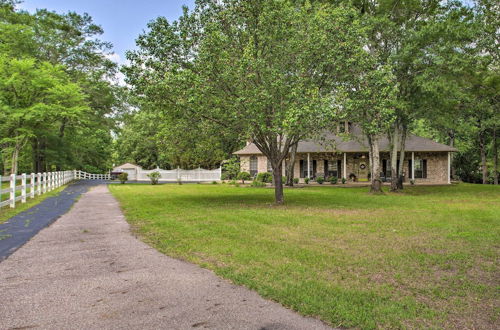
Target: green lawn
[
  {"x": 428, "y": 257},
  {"x": 6, "y": 212}
]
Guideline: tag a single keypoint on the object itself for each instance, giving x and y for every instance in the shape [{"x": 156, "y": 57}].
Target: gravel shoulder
[{"x": 88, "y": 271}]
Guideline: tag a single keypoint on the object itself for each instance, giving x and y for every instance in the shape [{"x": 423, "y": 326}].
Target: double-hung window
[{"x": 253, "y": 165}]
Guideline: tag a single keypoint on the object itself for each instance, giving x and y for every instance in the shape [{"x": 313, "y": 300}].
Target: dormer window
[{"x": 344, "y": 127}]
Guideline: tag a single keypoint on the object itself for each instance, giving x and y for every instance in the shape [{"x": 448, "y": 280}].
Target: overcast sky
[{"x": 122, "y": 20}]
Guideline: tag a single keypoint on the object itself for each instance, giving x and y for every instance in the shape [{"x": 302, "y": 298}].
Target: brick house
[{"x": 426, "y": 161}]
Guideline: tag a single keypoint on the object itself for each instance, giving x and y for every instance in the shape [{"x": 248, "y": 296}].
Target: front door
[{"x": 361, "y": 168}]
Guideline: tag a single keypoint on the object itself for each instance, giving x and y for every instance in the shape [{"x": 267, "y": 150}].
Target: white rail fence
[
  {"x": 24, "y": 186},
  {"x": 30, "y": 185},
  {"x": 196, "y": 175}
]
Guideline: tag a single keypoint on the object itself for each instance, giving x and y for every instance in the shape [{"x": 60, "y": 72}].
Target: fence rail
[{"x": 24, "y": 186}]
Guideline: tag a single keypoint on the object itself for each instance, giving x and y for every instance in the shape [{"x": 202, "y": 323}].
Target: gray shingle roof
[{"x": 356, "y": 143}]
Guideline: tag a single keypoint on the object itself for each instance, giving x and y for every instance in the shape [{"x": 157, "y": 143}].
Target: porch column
[
  {"x": 413, "y": 166},
  {"x": 345, "y": 166},
  {"x": 308, "y": 165},
  {"x": 449, "y": 167}
]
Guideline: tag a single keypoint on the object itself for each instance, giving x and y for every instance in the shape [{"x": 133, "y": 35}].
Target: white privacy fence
[
  {"x": 80, "y": 175},
  {"x": 21, "y": 187},
  {"x": 196, "y": 175},
  {"x": 24, "y": 186}
]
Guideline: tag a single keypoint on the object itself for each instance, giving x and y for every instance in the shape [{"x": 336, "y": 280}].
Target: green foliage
[
  {"x": 265, "y": 177},
  {"x": 238, "y": 68},
  {"x": 333, "y": 180},
  {"x": 306, "y": 180},
  {"x": 244, "y": 176},
  {"x": 123, "y": 177},
  {"x": 295, "y": 180},
  {"x": 231, "y": 168},
  {"x": 258, "y": 184},
  {"x": 343, "y": 180},
  {"x": 60, "y": 114},
  {"x": 154, "y": 177},
  {"x": 320, "y": 179},
  {"x": 214, "y": 182}
]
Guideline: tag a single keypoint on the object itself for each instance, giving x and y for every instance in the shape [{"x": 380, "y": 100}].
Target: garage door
[{"x": 132, "y": 173}]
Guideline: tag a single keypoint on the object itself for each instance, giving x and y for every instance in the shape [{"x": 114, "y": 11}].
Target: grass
[
  {"x": 6, "y": 212},
  {"x": 425, "y": 258}
]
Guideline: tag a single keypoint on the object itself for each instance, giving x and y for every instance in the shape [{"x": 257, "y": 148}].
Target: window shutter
[
  {"x": 424, "y": 168},
  {"x": 339, "y": 169},
  {"x": 325, "y": 167}
]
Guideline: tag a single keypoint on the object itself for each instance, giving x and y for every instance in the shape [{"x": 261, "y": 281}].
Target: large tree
[
  {"x": 71, "y": 43},
  {"x": 265, "y": 69}
]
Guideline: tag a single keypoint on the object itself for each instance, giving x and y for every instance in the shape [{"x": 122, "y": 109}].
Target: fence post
[
  {"x": 39, "y": 183},
  {"x": 12, "y": 191},
  {"x": 32, "y": 184},
  {"x": 51, "y": 180},
  {"x": 23, "y": 188}
]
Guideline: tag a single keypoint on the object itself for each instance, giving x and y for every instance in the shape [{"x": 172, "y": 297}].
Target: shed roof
[
  {"x": 356, "y": 143},
  {"x": 127, "y": 165}
]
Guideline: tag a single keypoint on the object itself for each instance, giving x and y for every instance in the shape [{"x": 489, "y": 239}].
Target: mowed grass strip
[{"x": 427, "y": 257}]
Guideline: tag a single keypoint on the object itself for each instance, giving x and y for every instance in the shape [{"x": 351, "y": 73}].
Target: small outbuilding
[{"x": 130, "y": 169}]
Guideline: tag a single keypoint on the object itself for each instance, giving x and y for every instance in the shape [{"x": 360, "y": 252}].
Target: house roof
[
  {"x": 127, "y": 165},
  {"x": 356, "y": 143}
]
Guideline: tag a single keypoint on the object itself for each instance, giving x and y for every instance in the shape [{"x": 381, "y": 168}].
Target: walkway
[{"x": 86, "y": 271}]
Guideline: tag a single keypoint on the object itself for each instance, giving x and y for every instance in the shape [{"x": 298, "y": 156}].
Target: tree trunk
[
  {"x": 376, "y": 183},
  {"x": 278, "y": 184},
  {"x": 482, "y": 148},
  {"x": 290, "y": 165},
  {"x": 402, "y": 157},
  {"x": 495, "y": 156},
  {"x": 451, "y": 134},
  {"x": 15, "y": 157},
  {"x": 394, "y": 158}
]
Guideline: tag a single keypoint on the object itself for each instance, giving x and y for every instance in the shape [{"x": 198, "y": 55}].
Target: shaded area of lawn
[{"x": 424, "y": 258}]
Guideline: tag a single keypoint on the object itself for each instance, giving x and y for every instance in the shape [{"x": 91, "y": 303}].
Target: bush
[
  {"x": 265, "y": 177},
  {"x": 258, "y": 184},
  {"x": 333, "y": 180},
  {"x": 343, "y": 180},
  {"x": 230, "y": 169},
  {"x": 123, "y": 177},
  {"x": 232, "y": 182},
  {"x": 214, "y": 182},
  {"x": 320, "y": 179},
  {"x": 306, "y": 180},
  {"x": 154, "y": 177},
  {"x": 179, "y": 181},
  {"x": 244, "y": 176},
  {"x": 412, "y": 182},
  {"x": 295, "y": 180}
]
